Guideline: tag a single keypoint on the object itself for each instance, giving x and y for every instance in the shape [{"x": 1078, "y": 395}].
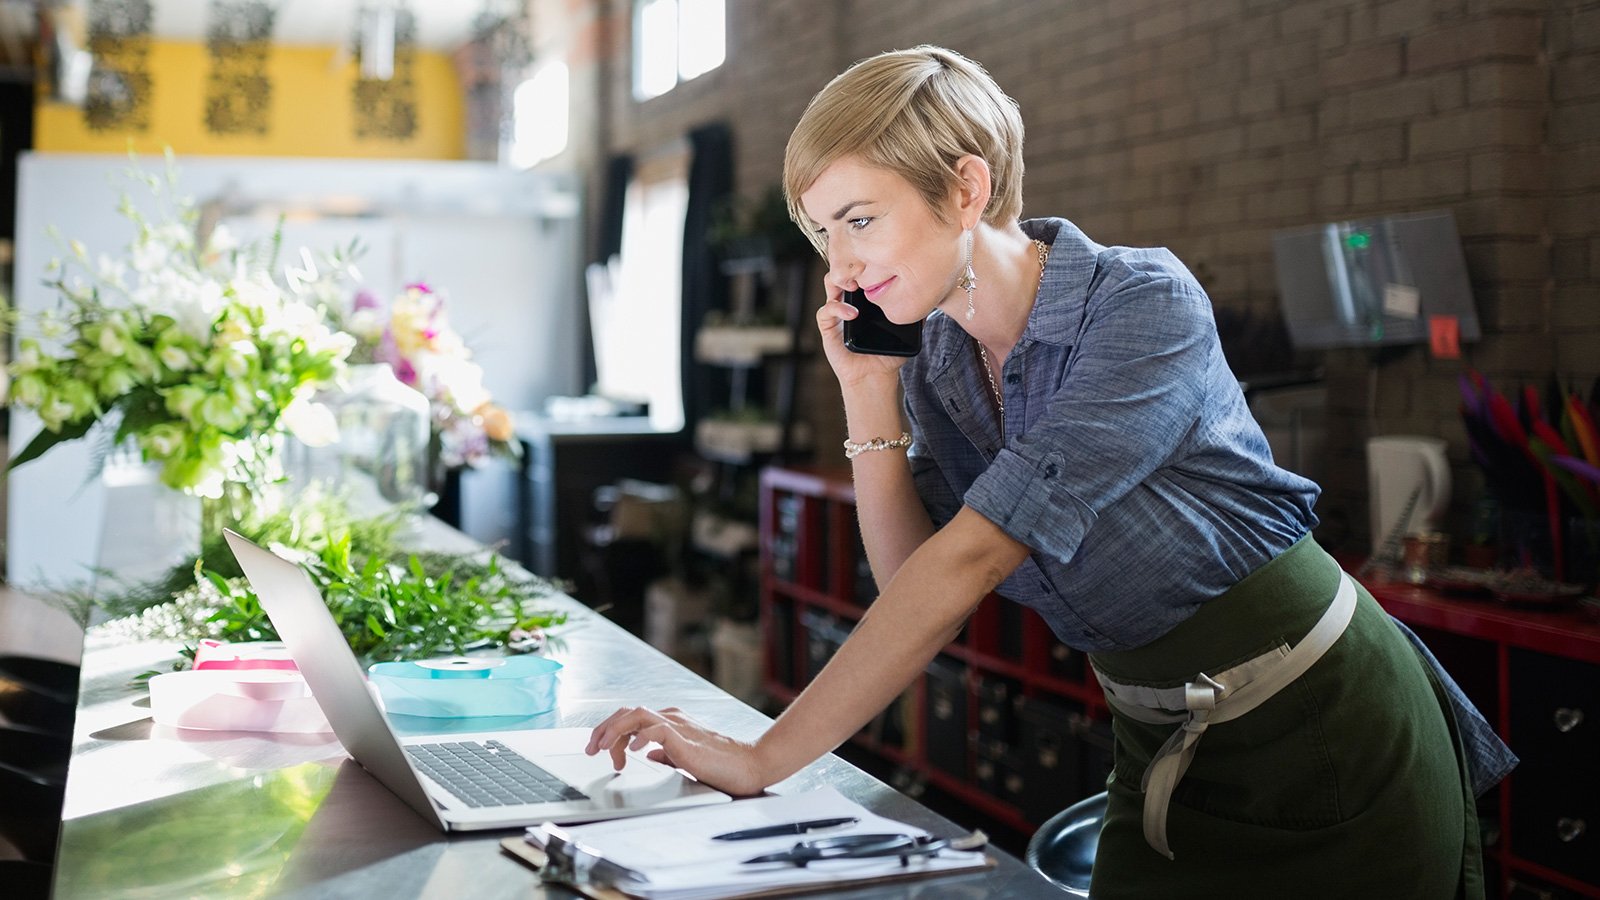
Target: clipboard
[
  {"x": 688, "y": 854},
  {"x": 535, "y": 858},
  {"x": 519, "y": 849}
]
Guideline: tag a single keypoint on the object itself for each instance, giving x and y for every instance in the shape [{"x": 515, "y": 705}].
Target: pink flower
[
  {"x": 366, "y": 299},
  {"x": 419, "y": 286}
]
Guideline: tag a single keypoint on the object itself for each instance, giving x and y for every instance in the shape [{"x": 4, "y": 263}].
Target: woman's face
[{"x": 882, "y": 238}]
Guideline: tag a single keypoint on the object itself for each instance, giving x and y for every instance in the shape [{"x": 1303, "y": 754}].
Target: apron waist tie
[{"x": 1210, "y": 700}]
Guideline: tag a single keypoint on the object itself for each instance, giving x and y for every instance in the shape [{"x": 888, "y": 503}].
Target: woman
[{"x": 1078, "y": 444}]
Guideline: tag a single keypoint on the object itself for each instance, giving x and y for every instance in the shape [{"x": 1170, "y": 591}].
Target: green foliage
[
  {"x": 397, "y": 609},
  {"x": 390, "y": 603},
  {"x": 308, "y": 524}
]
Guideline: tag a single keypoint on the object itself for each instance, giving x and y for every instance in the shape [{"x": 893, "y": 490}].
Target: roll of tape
[
  {"x": 444, "y": 688},
  {"x": 460, "y": 667},
  {"x": 236, "y": 700}
]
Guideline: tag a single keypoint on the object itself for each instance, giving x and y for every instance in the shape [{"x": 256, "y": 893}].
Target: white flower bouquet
[{"x": 186, "y": 345}]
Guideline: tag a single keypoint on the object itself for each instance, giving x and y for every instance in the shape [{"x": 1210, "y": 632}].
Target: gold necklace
[{"x": 1043, "y": 250}]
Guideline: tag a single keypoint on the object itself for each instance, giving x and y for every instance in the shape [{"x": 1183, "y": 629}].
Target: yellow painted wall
[{"x": 311, "y": 111}]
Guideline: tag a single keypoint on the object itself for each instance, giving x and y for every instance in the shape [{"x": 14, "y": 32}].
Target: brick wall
[{"x": 1204, "y": 126}]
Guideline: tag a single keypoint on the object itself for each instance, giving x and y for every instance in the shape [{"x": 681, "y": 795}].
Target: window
[
  {"x": 674, "y": 41},
  {"x": 539, "y": 116},
  {"x": 637, "y": 318}
]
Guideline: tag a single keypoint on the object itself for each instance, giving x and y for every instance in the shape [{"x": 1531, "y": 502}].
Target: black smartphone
[{"x": 872, "y": 332}]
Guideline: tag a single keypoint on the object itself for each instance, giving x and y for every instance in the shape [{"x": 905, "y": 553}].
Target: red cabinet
[
  {"x": 1012, "y": 722},
  {"x": 1006, "y": 719},
  {"x": 1535, "y": 674}
]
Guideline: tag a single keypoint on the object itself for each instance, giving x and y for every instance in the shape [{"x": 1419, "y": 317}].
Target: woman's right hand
[
  {"x": 849, "y": 367},
  {"x": 716, "y": 759}
]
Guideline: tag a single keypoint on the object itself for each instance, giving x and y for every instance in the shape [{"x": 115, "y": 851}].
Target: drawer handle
[
  {"x": 1568, "y": 719},
  {"x": 1569, "y": 830}
]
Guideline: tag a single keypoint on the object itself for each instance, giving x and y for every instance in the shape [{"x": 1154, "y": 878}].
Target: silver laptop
[{"x": 460, "y": 782}]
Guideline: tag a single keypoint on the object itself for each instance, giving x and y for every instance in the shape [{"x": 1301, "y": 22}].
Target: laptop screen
[{"x": 297, "y": 611}]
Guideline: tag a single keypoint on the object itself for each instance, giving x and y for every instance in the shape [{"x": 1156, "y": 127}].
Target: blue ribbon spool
[
  {"x": 460, "y": 667},
  {"x": 456, "y": 688}
]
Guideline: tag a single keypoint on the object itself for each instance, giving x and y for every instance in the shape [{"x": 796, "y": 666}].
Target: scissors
[{"x": 867, "y": 846}]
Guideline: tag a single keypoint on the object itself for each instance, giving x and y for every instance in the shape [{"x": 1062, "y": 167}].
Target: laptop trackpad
[{"x": 641, "y": 782}]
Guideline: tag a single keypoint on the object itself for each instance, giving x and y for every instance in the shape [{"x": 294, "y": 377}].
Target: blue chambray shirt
[{"x": 1130, "y": 464}]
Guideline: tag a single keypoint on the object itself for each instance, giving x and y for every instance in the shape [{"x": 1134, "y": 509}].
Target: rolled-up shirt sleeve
[{"x": 1129, "y": 398}]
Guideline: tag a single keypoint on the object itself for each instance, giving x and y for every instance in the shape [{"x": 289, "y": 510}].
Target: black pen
[{"x": 786, "y": 828}]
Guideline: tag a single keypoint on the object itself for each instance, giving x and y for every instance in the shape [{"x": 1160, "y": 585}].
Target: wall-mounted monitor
[{"x": 1373, "y": 282}]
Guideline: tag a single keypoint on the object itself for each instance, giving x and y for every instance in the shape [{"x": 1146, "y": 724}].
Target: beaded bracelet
[{"x": 853, "y": 449}]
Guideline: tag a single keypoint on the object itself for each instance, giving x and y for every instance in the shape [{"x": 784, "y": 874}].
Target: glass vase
[
  {"x": 252, "y": 488},
  {"x": 381, "y": 456},
  {"x": 231, "y": 510}
]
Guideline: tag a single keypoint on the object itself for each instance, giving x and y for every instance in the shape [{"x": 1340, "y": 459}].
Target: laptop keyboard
[{"x": 489, "y": 774}]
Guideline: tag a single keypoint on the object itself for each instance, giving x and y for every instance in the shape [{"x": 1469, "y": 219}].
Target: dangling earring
[{"x": 969, "y": 280}]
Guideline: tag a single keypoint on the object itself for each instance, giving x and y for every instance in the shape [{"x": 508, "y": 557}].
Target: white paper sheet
[{"x": 676, "y": 851}]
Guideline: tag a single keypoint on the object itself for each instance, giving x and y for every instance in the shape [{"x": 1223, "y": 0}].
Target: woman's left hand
[{"x": 714, "y": 758}]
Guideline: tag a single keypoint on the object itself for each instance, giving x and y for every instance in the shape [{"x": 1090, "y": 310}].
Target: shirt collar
[{"x": 1057, "y": 315}]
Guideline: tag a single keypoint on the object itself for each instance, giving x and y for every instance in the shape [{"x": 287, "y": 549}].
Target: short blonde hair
[{"x": 915, "y": 113}]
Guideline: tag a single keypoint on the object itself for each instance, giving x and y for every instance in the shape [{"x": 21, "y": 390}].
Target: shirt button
[
  {"x": 1013, "y": 378},
  {"x": 1050, "y": 470}
]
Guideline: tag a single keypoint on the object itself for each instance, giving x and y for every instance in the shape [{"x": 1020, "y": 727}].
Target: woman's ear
[{"x": 972, "y": 192}]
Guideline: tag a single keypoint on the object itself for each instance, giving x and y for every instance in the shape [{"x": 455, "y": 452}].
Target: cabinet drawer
[
  {"x": 1098, "y": 747},
  {"x": 1064, "y": 662},
  {"x": 784, "y": 546},
  {"x": 1052, "y": 755},
  {"x": 824, "y": 635},
  {"x": 998, "y": 773},
  {"x": 1555, "y": 792},
  {"x": 891, "y": 727},
  {"x": 997, "y": 702},
  {"x": 945, "y": 715},
  {"x": 1555, "y": 709}
]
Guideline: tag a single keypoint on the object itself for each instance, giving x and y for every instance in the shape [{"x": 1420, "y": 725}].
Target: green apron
[{"x": 1350, "y": 782}]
